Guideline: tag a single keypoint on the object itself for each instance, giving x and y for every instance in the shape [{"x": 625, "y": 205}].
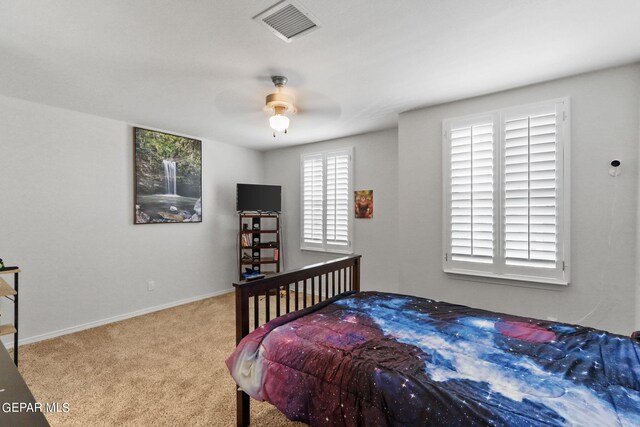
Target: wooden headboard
[{"x": 299, "y": 289}]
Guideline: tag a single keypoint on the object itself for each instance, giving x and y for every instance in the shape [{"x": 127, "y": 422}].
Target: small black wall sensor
[{"x": 614, "y": 170}]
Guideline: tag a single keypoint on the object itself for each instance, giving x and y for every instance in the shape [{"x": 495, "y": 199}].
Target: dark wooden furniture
[
  {"x": 306, "y": 286},
  {"x": 13, "y": 392},
  {"x": 11, "y": 293},
  {"x": 259, "y": 242}
]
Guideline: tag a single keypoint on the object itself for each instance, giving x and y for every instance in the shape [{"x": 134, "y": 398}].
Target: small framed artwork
[
  {"x": 168, "y": 178},
  {"x": 364, "y": 203}
]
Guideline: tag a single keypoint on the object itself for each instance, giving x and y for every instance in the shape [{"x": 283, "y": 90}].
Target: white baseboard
[{"x": 113, "y": 319}]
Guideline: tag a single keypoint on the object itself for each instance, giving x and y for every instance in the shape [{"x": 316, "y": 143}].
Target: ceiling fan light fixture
[
  {"x": 279, "y": 123},
  {"x": 281, "y": 105}
]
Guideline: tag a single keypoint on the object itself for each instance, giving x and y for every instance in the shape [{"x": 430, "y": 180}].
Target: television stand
[{"x": 259, "y": 245}]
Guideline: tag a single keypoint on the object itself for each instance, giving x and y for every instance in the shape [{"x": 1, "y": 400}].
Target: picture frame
[
  {"x": 363, "y": 204},
  {"x": 167, "y": 178}
]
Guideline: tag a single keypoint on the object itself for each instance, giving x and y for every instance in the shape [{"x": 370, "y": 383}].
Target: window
[
  {"x": 326, "y": 182},
  {"x": 506, "y": 195}
]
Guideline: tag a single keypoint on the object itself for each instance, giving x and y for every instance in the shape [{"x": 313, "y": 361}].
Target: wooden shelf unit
[
  {"x": 6, "y": 289},
  {"x": 260, "y": 261},
  {"x": 11, "y": 293},
  {"x": 263, "y": 247},
  {"x": 7, "y": 330}
]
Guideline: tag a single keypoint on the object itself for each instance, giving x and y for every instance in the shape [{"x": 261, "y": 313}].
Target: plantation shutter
[
  {"x": 312, "y": 195},
  {"x": 471, "y": 192},
  {"x": 530, "y": 211},
  {"x": 506, "y": 194},
  {"x": 338, "y": 200},
  {"x": 326, "y": 183}
]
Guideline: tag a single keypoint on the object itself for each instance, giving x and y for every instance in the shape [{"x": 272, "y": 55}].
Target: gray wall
[
  {"x": 604, "y": 125},
  {"x": 376, "y": 168},
  {"x": 637, "y": 264},
  {"x": 66, "y": 183}
]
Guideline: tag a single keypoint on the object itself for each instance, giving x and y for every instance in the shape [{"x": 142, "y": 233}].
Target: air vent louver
[{"x": 288, "y": 21}]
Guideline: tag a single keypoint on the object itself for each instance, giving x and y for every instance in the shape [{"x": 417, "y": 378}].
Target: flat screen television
[{"x": 262, "y": 198}]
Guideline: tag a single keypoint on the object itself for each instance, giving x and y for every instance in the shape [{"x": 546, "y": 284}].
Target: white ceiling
[{"x": 202, "y": 67}]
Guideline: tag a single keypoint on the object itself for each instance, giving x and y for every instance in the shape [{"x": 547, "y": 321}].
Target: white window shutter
[
  {"x": 312, "y": 201},
  {"x": 338, "y": 208},
  {"x": 506, "y": 194},
  {"x": 530, "y": 190},
  {"x": 471, "y": 192},
  {"x": 327, "y": 188}
]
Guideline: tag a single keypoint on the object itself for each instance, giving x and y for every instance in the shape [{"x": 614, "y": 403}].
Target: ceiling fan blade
[
  {"x": 324, "y": 114},
  {"x": 318, "y": 105}
]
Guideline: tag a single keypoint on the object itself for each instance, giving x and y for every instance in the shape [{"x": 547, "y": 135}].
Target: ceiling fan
[
  {"x": 281, "y": 105},
  {"x": 246, "y": 100}
]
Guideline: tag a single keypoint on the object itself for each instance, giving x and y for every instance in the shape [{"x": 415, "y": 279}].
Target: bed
[{"x": 337, "y": 356}]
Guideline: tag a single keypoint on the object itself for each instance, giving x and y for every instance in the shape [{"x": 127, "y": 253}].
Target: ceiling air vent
[{"x": 288, "y": 20}]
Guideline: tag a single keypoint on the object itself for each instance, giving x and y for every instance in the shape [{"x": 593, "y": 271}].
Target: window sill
[
  {"x": 328, "y": 251},
  {"x": 509, "y": 280}
]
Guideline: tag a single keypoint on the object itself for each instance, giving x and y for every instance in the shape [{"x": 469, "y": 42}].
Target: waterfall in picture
[{"x": 170, "y": 176}]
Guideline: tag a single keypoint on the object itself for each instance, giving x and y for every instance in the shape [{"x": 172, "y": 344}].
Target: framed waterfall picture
[{"x": 168, "y": 178}]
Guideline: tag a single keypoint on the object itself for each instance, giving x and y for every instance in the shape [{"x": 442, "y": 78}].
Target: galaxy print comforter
[{"x": 377, "y": 359}]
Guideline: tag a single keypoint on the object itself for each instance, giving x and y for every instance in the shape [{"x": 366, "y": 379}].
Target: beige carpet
[{"x": 165, "y": 368}]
